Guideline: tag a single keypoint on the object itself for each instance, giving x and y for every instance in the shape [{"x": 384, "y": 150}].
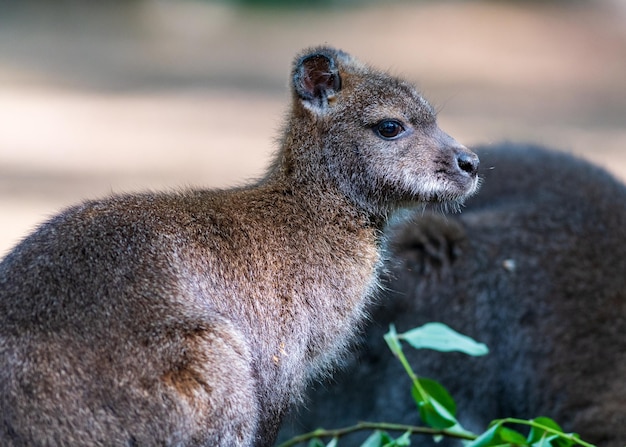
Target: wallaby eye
[{"x": 389, "y": 129}]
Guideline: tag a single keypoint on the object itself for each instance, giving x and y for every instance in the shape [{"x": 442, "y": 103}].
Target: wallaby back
[
  {"x": 535, "y": 268},
  {"x": 197, "y": 317}
]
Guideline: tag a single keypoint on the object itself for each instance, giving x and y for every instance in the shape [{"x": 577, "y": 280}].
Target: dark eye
[{"x": 389, "y": 129}]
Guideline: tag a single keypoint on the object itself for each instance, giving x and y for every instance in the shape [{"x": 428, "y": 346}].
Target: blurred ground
[{"x": 159, "y": 94}]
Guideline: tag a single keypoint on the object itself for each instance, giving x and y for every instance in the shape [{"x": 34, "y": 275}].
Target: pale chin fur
[{"x": 439, "y": 192}]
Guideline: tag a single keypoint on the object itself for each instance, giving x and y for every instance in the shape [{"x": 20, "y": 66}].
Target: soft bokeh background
[{"x": 119, "y": 96}]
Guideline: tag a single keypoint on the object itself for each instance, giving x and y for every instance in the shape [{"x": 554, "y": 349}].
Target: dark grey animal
[
  {"x": 196, "y": 318},
  {"x": 535, "y": 267}
]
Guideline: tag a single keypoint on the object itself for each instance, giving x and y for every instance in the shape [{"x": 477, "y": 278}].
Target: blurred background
[{"x": 130, "y": 95}]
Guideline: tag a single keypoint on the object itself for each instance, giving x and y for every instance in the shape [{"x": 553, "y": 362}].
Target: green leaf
[
  {"x": 553, "y": 441},
  {"x": 391, "y": 338},
  {"x": 418, "y": 397},
  {"x": 436, "y": 407},
  {"x": 548, "y": 423},
  {"x": 488, "y": 438},
  {"x": 511, "y": 436},
  {"x": 377, "y": 439},
  {"x": 439, "y": 393},
  {"x": 458, "y": 429},
  {"x": 571, "y": 441},
  {"x": 536, "y": 434},
  {"x": 558, "y": 441},
  {"x": 439, "y": 337},
  {"x": 544, "y": 442},
  {"x": 315, "y": 442},
  {"x": 333, "y": 442},
  {"x": 402, "y": 441},
  {"x": 435, "y": 415},
  {"x": 372, "y": 440}
]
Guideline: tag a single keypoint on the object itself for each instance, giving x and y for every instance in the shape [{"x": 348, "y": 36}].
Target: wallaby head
[
  {"x": 373, "y": 135},
  {"x": 197, "y": 317}
]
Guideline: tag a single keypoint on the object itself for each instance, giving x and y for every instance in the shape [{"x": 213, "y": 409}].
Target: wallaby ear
[{"x": 316, "y": 80}]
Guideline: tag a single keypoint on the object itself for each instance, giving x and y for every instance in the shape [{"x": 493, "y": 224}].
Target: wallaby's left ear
[{"x": 316, "y": 79}]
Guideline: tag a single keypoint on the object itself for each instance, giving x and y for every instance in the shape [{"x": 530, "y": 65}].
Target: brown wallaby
[
  {"x": 535, "y": 267},
  {"x": 195, "y": 318}
]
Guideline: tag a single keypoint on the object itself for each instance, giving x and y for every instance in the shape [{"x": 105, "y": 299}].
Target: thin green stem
[
  {"x": 336, "y": 433},
  {"x": 407, "y": 367}
]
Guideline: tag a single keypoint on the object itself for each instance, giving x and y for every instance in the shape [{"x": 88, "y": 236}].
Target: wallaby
[
  {"x": 197, "y": 317},
  {"x": 535, "y": 267}
]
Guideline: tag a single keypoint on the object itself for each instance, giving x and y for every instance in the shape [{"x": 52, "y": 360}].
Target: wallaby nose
[{"x": 468, "y": 162}]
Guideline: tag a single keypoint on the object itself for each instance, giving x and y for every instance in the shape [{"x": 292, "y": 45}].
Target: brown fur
[{"x": 195, "y": 318}]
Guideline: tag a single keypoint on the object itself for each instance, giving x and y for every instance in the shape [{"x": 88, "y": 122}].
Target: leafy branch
[
  {"x": 378, "y": 426},
  {"x": 437, "y": 409}
]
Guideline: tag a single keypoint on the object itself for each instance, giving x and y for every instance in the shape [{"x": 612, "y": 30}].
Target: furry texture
[
  {"x": 534, "y": 267},
  {"x": 196, "y": 318}
]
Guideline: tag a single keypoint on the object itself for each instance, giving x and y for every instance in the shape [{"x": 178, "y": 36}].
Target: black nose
[{"x": 468, "y": 162}]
